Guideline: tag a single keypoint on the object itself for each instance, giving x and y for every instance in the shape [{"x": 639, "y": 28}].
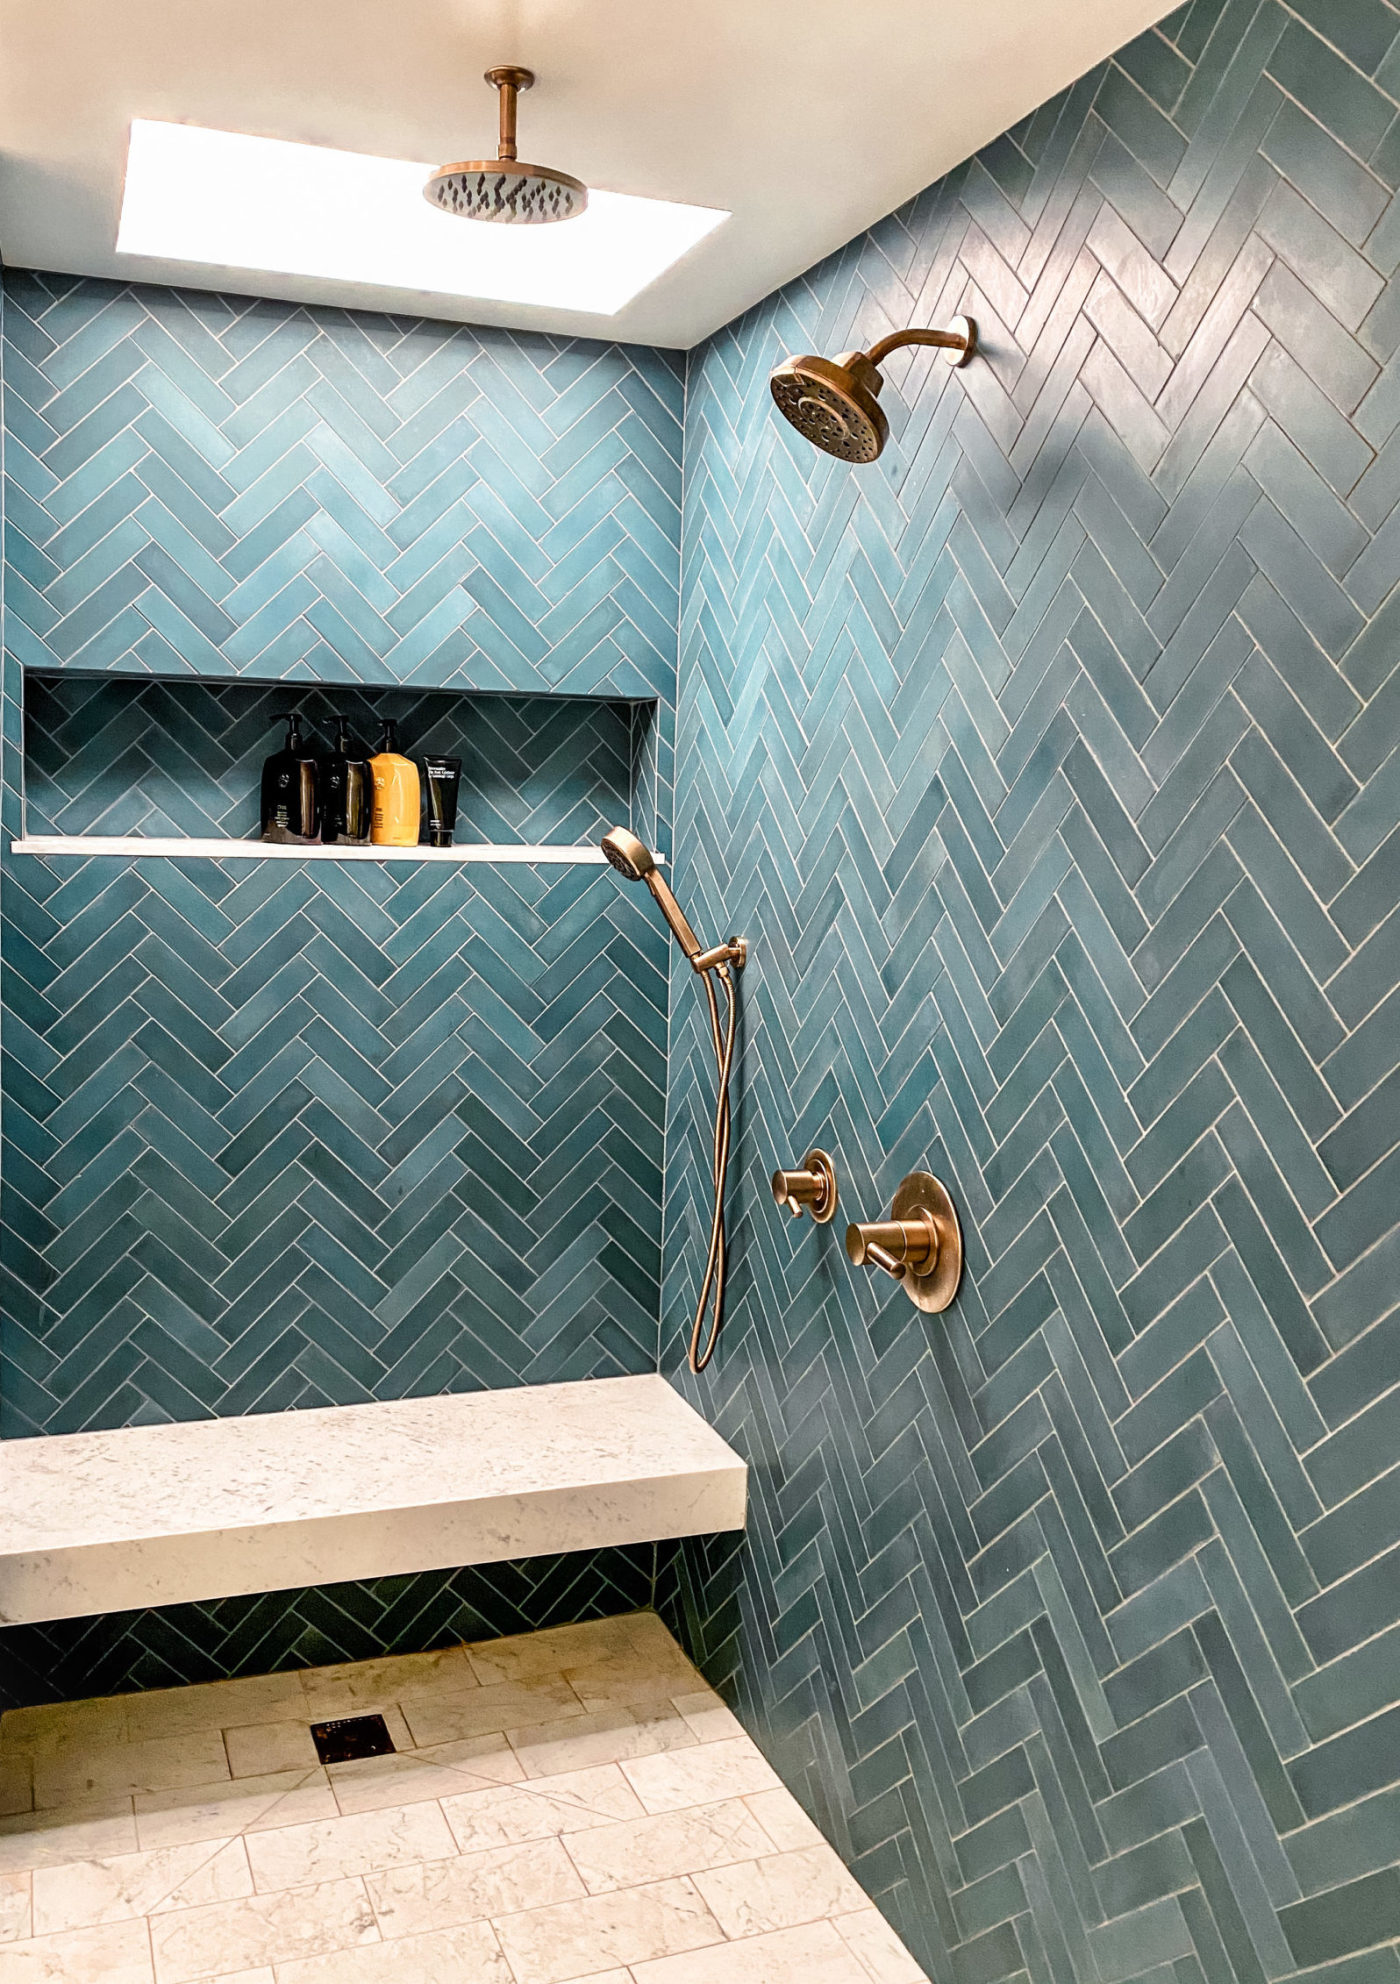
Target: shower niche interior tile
[{"x": 119, "y": 755}]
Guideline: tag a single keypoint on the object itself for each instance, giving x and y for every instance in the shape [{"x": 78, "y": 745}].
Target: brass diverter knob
[
  {"x": 920, "y": 1244},
  {"x": 813, "y": 1187}
]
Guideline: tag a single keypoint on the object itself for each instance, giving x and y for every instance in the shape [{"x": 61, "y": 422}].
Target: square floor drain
[{"x": 353, "y": 1736}]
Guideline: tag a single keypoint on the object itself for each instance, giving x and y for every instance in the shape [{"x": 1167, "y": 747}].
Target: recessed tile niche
[{"x": 115, "y": 755}]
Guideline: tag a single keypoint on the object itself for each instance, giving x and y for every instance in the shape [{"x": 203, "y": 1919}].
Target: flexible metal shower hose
[{"x": 712, "y": 1286}]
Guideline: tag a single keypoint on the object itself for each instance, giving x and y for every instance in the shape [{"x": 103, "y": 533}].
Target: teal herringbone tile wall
[
  {"x": 276, "y": 1134},
  {"x": 282, "y": 1135},
  {"x": 117, "y": 755},
  {"x": 1050, "y": 765}
]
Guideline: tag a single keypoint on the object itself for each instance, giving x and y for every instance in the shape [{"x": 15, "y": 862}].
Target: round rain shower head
[
  {"x": 833, "y": 403},
  {"x": 504, "y": 188},
  {"x": 630, "y": 856}
]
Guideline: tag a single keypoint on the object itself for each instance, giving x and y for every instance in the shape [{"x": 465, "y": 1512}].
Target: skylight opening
[{"x": 264, "y": 205}]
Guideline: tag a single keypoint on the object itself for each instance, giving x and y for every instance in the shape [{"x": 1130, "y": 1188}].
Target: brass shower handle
[
  {"x": 812, "y": 1188},
  {"x": 919, "y": 1245},
  {"x": 896, "y": 1245}
]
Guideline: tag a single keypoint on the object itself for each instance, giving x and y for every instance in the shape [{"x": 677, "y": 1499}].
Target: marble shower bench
[{"x": 217, "y": 1508}]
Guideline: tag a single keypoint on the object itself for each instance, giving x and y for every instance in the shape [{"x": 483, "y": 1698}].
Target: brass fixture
[
  {"x": 813, "y": 1187},
  {"x": 503, "y": 188},
  {"x": 633, "y": 859},
  {"x": 920, "y": 1244},
  {"x": 834, "y": 402}
]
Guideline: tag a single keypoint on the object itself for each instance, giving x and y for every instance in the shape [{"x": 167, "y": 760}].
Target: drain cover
[{"x": 352, "y": 1736}]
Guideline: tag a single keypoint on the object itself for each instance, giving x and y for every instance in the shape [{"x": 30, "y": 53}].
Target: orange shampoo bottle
[{"x": 397, "y": 809}]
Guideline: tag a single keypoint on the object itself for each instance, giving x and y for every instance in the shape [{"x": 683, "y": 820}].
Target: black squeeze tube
[{"x": 442, "y": 778}]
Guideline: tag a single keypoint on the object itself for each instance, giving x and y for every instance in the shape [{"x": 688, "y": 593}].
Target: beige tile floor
[{"x": 566, "y": 1805}]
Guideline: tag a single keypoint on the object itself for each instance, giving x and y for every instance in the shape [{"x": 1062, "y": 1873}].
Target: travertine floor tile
[
  {"x": 233, "y": 1805},
  {"x": 635, "y": 1675},
  {"x": 877, "y": 1948},
  {"x": 510, "y": 1814},
  {"x": 522, "y": 1656},
  {"x": 578, "y": 1808},
  {"x": 783, "y": 1819},
  {"x": 296, "y": 1856},
  {"x": 261, "y": 1974},
  {"x": 214, "y": 1705},
  {"x": 16, "y": 1783},
  {"x": 70, "y": 1832},
  {"x": 468, "y": 1954},
  {"x": 480, "y": 1711},
  {"x": 438, "y": 1771},
  {"x": 779, "y": 1892},
  {"x": 812, "y": 1955},
  {"x": 709, "y": 1719},
  {"x": 59, "y": 1725},
  {"x": 497, "y": 1882},
  {"x": 117, "y": 1953},
  {"x": 91, "y": 1891},
  {"x": 264, "y": 1928},
  {"x": 550, "y": 1945},
  {"x": 700, "y": 1775},
  {"x": 15, "y": 1917},
  {"x": 606, "y": 1737},
  {"x": 255, "y": 1749},
  {"x": 349, "y": 1689},
  {"x": 649, "y": 1849},
  {"x": 74, "y": 1774}
]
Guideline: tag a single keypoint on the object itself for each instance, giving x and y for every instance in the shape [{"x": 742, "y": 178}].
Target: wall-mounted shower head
[
  {"x": 834, "y": 403},
  {"x": 503, "y": 188}
]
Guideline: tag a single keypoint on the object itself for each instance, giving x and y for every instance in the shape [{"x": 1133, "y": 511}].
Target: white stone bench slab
[{"x": 215, "y": 1508}]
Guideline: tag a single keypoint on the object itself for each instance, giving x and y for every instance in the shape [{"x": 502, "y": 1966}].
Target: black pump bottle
[
  {"x": 291, "y": 790},
  {"x": 347, "y": 794}
]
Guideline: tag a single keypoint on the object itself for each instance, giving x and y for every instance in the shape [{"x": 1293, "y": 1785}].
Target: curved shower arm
[{"x": 945, "y": 340}]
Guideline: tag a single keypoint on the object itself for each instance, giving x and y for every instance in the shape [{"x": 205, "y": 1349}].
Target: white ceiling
[{"x": 808, "y": 119}]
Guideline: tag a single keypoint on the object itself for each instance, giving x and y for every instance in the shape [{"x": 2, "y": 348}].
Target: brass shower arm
[
  {"x": 945, "y": 340},
  {"x": 509, "y": 81}
]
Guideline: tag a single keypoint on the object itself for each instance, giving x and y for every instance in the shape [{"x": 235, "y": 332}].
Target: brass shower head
[
  {"x": 502, "y": 188},
  {"x": 834, "y": 402},
  {"x": 631, "y": 857}
]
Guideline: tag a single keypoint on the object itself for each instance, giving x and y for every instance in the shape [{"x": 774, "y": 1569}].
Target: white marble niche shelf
[
  {"x": 587, "y": 855},
  {"x": 217, "y": 1508}
]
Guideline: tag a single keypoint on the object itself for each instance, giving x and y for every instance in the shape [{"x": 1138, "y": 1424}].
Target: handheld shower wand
[{"x": 634, "y": 860}]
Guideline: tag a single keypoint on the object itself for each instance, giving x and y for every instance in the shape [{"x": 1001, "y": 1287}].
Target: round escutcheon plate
[
  {"x": 817, "y": 1161},
  {"x": 921, "y": 1196}
]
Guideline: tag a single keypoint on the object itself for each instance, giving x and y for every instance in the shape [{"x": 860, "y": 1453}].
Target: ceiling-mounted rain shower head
[
  {"x": 834, "y": 403},
  {"x": 503, "y": 188}
]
